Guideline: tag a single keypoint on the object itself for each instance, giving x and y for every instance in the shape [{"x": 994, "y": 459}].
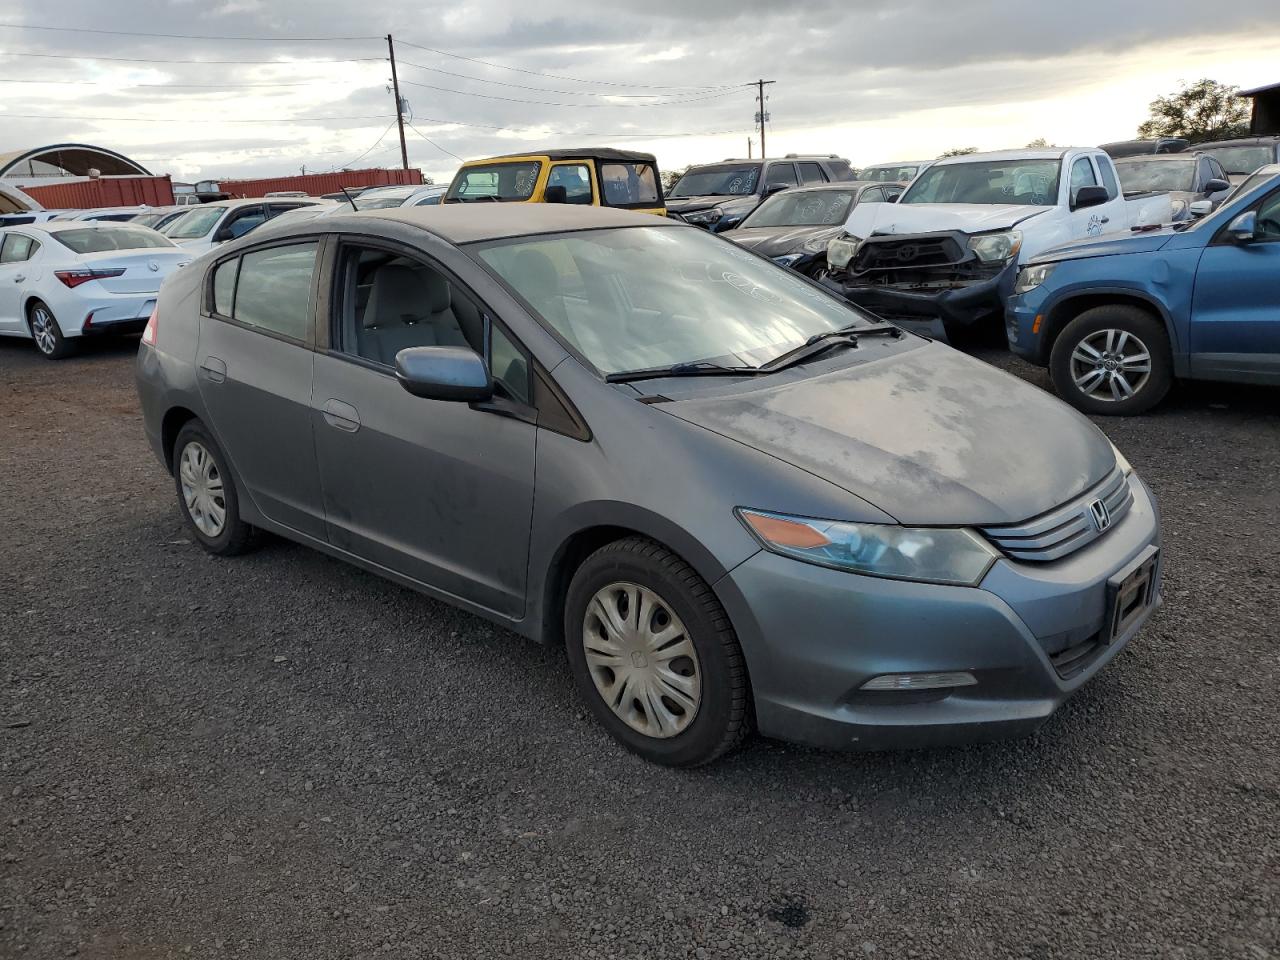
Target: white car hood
[{"x": 894, "y": 218}]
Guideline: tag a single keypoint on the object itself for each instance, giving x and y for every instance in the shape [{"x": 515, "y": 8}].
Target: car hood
[
  {"x": 1147, "y": 242},
  {"x": 776, "y": 241},
  {"x": 896, "y": 218},
  {"x": 930, "y": 436}
]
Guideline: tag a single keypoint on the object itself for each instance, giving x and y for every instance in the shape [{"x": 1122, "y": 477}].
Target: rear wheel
[
  {"x": 1112, "y": 360},
  {"x": 46, "y": 333},
  {"x": 654, "y": 655},
  {"x": 207, "y": 494}
]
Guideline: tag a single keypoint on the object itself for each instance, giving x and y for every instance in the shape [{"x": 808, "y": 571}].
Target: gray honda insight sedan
[{"x": 735, "y": 499}]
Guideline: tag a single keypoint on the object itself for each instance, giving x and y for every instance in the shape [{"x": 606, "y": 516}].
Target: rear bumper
[
  {"x": 1031, "y": 635},
  {"x": 933, "y": 310},
  {"x": 126, "y": 313}
]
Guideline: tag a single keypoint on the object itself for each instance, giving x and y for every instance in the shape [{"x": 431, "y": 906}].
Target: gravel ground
[{"x": 280, "y": 756}]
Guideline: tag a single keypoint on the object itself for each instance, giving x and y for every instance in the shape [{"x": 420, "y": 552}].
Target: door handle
[
  {"x": 1105, "y": 220},
  {"x": 341, "y": 415},
  {"x": 19, "y": 278},
  {"x": 214, "y": 369}
]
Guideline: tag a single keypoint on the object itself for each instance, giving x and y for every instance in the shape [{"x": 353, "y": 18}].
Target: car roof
[
  {"x": 998, "y": 155},
  {"x": 839, "y": 185},
  {"x": 601, "y": 153},
  {"x": 57, "y": 226},
  {"x": 250, "y": 200},
  {"x": 1161, "y": 157},
  {"x": 896, "y": 163},
  {"x": 1240, "y": 142},
  {"x": 461, "y": 223}
]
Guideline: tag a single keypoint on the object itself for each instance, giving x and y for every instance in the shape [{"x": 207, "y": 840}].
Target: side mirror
[
  {"x": 444, "y": 373},
  {"x": 1089, "y": 197},
  {"x": 1244, "y": 228},
  {"x": 556, "y": 194},
  {"x": 1201, "y": 208},
  {"x": 1216, "y": 186},
  {"x": 771, "y": 188},
  {"x": 223, "y": 235}
]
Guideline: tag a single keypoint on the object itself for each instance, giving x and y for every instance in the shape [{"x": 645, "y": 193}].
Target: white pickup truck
[{"x": 946, "y": 255}]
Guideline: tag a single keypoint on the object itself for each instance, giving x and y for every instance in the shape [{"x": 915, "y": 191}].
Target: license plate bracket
[{"x": 1131, "y": 593}]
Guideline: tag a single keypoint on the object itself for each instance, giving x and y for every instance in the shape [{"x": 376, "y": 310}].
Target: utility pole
[
  {"x": 749, "y": 144},
  {"x": 762, "y": 115},
  {"x": 395, "y": 88}
]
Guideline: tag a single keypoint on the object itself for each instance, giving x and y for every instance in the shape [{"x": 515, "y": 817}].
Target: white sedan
[{"x": 67, "y": 279}]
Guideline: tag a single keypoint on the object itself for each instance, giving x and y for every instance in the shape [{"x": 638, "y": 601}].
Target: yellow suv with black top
[{"x": 599, "y": 177}]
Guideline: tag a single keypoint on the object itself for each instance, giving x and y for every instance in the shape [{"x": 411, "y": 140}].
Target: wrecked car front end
[{"x": 933, "y": 282}]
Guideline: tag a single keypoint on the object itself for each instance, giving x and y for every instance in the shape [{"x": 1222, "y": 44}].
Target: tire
[
  {"x": 199, "y": 465},
  {"x": 695, "y": 645},
  {"x": 1097, "y": 362},
  {"x": 46, "y": 333}
]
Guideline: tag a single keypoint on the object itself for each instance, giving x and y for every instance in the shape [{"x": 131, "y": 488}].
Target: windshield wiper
[
  {"x": 821, "y": 342},
  {"x": 699, "y": 368}
]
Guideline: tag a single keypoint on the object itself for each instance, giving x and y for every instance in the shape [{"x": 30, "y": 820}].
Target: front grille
[
  {"x": 1066, "y": 529},
  {"x": 908, "y": 252}
]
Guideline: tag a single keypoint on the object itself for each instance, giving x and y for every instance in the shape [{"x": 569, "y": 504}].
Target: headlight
[
  {"x": 996, "y": 247},
  {"x": 789, "y": 259},
  {"x": 1031, "y": 277},
  {"x": 841, "y": 250},
  {"x": 929, "y": 554},
  {"x": 1179, "y": 209},
  {"x": 703, "y": 216},
  {"x": 1125, "y": 466}
]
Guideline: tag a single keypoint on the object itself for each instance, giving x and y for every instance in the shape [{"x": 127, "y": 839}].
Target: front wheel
[
  {"x": 1112, "y": 360},
  {"x": 46, "y": 333},
  {"x": 654, "y": 655}
]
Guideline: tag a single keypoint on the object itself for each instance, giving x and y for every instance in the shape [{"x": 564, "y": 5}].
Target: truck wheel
[{"x": 1113, "y": 360}]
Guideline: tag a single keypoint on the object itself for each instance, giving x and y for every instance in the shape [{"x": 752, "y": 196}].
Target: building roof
[{"x": 77, "y": 159}]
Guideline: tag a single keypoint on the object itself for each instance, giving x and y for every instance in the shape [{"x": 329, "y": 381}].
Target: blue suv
[{"x": 1117, "y": 319}]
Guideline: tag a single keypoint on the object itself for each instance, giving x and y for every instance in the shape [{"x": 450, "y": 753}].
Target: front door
[
  {"x": 438, "y": 491},
  {"x": 16, "y": 249},
  {"x": 253, "y": 367},
  {"x": 1235, "y": 313}
]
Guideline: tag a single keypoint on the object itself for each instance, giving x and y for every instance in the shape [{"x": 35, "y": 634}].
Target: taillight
[
  {"x": 73, "y": 278},
  {"x": 153, "y": 324}
]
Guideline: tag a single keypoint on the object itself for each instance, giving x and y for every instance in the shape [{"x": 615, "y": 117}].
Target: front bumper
[
  {"x": 931, "y": 311},
  {"x": 1032, "y": 634},
  {"x": 1024, "y": 324}
]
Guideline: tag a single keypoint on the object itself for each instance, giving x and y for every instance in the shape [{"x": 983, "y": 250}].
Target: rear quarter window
[{"x": 271, "y": 289}]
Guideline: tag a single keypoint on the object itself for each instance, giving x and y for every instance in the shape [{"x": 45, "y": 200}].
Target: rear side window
[
  {"x": 783, "y": 173},
  {"x": 271, "y": 290},
  {"x": 811, "y": 173},
  {"x": 629, "y": 184},
  {"x": 16, "y": 248},
  {"x": 840, "y": 169}
]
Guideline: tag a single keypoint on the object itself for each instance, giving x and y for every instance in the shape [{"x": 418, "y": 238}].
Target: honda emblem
[{"x": 1100, "y": 515}]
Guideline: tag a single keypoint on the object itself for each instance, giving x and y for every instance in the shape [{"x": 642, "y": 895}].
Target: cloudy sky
[{"x": 303, "y": 82}]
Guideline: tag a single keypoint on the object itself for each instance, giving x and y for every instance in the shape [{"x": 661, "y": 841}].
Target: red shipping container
[
  {"x": 317, "y": 184},
  {"x": 104, "y": 192}
]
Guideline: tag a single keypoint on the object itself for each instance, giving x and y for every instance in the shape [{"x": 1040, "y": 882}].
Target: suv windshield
[
  {"x": 98, "y": 239},
  {"x": 194, "y": 224},
  {"x": 495, "y": 181},
  {"x": 641, "y": 297},
  {"x": 802, "y": 208},
  {"x": 1032, "y": 182},
  {"x": 722, "y": 180},
  {"x": 1242, "y": 160},
  {"x": 1137, "y": 176}
]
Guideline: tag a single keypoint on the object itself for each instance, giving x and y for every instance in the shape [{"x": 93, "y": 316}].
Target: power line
[
  {"x": 525, "y": 86},
  {"x": 580, "y": 106},
  {"x": 208, "y": 86},
  {"x": 556, "y": 76},
  {"x": 182, "y": 36},
  {"x": 203, "y": 120},
  {"x": 274, "y": 63},
  {"x": 633, "y": 135},
  {"x": 381, "y": 137},
  {"x": 432, "y": 142}
]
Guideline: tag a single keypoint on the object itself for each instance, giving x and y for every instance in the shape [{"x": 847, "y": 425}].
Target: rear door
[
  {"x": 1235, "y": 311},
  {"x": 440, "y": 492},
  {"x": 254, "y": 367}
]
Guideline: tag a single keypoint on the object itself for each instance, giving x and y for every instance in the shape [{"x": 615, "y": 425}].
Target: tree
[
  {"x": 1205, "y": 110},
  {"x": 958, "y": 152},
  {"x": 671, "y": 177},
  {"x": 1037, "y": 142}
]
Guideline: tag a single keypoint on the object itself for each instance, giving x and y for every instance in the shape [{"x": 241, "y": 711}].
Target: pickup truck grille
[
  {"x": 1065, "y": 529},
  {"x": 909, "y": 252}
]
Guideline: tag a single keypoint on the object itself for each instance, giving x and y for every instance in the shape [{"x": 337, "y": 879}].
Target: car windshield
[
  {"x": 1033, "y": 182},
  {"x": 194, "y": 224},
  {"x": 642, "y": 297},
  {"x": 1242, "y": 160},
  {"x": 718, "y": 181},
  {"x": 496, "y": 181},
  {"x": 802, "y": 208},
  {"x": 890, "y": 174},
  {"x": 378, "y": 202},
  {"x": 99, "y": 239},
  {"x": 1137, "y": 176},
  {"x": 148, "y": 219}
]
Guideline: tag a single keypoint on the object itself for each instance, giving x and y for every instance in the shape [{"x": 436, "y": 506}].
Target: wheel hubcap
[
  {"x": 642, "y": 660},
  {"x": 202, "y": 489},
  {"x": 42, "y": 330},
  {"x": 1110, "y": 365}
]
